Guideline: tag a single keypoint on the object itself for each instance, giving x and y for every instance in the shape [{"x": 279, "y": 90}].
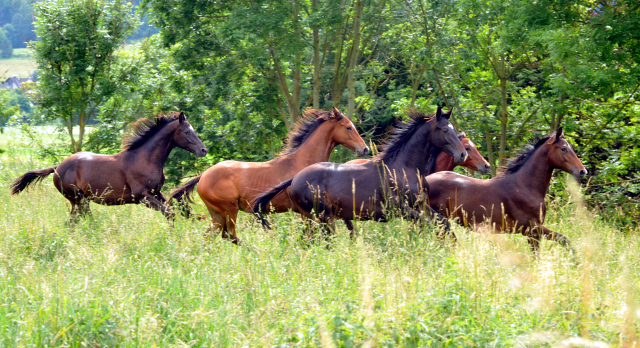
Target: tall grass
[{"x": 127, "y": 277}]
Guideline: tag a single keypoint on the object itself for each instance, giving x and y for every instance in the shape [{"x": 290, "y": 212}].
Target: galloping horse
[
  {"x": 132, "y": 176},
  {"x": 444, "y": 161},
  {"x": 363, "y": 191},
  {"x": 514, "y": 201},
  {"x": 230, "y": 186}
]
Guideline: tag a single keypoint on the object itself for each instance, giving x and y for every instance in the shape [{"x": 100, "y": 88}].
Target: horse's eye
[
  {"x": 348, "y": 128},
  {"x": 445, "y": 131},
  {"x": 187, "y": 133},
  {"x": 467, "y": 149},
  {"x": 564, "y": 149}
]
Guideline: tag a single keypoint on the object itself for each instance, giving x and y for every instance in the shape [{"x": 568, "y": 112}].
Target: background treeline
[{"x": 245, "y": 70}]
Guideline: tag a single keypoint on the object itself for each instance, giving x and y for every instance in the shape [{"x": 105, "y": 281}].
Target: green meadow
[
  {"x": 127, "y": 277},
  {"x": 21, "y": 64}
]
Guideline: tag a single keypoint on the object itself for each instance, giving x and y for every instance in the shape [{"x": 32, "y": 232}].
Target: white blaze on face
[{"x": 451, "y": 127}]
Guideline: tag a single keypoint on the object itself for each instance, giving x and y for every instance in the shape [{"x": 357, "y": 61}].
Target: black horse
[
  {"x": 132, "y": 176},
  {"x": 394, "y": 178}
]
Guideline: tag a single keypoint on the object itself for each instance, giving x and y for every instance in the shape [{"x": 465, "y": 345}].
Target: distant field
[{"x": 20, "y": 64}]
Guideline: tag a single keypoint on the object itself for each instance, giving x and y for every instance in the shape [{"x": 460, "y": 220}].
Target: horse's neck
[
  {"x": 156, "y": 150},
  {"x": 317, "y": 148},
  {"x": 444, "y": 162},
  {"x": 414, "y": 157},
  {"x": 536, "y": 172}
]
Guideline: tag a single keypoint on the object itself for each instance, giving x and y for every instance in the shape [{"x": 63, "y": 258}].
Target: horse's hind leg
[
  {"x": 222, "y": 224},
  {"x": 352, "y": 231}
]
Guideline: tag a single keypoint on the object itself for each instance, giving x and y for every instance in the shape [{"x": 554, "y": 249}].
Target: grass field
[
  {"x": 20, "y": 64},
  {"x": 127, "y": 277}
]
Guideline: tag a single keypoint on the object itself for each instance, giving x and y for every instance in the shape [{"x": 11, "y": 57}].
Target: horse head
[
  {"x": 444, "y": 136},
  {"x": 562, "y": 156},
  {"x": 346, "y": 134},
  {"x": 474, "y": 161},
  {"x": 186, "y": 138}
]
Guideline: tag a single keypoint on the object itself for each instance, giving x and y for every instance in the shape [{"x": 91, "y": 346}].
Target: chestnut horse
[
  {"x": 132, "y": 176},
  {"x": 444, "y": 161},
  {"x": 230, "y": 186},
  {"x": 394, "y": 178},
  {"x": 512, "y": 202}
]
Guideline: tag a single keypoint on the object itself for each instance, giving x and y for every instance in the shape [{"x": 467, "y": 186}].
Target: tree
[
  {"x": 75, "y": 53},
  {"x": 6, "y": 49}
]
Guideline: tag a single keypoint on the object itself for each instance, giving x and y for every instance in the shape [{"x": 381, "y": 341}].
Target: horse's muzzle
[
  {"x": 362, "y": 152},
  {"x": 201, "y": 152},
  {"x": 461, "y": 158},
  {"x": 485, "y": 168}
]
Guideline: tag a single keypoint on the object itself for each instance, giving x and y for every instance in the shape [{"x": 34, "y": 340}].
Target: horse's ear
[
  {"x": 182, "y": 117},
  {"x": 559, "y": 134},
  {"x": 464, "y": 135},
  {"x": 448, "y": 114},
  {"x": 337, "y": 114},
  {"x": 439, "y": 113}
]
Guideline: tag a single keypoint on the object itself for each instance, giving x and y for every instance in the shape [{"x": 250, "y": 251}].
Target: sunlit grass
[{"x": 128, "y": 277}]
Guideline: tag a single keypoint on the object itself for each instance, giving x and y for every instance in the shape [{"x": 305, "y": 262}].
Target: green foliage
[
  {"x": 6, "y": 49},
  {"x": 16, "y": 17},
  {"x": 75, "y": 53},
  {"x": 8, "y": 106}
]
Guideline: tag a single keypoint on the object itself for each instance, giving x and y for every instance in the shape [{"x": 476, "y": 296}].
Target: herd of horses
[{"x": 410, "y": 177}]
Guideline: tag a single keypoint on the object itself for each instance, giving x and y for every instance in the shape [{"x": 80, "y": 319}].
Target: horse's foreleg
[
  {"x": 556, "y": 237},
  {"x": 352, "y": 231},
  {"x": 441, "y": 221},
  {"x": 152, "y": 202}
]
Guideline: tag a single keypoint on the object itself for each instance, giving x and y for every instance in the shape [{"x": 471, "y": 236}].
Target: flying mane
[
  {"x": 525, "y": 154},
  {"x": 144, "y": 128},
  {"x": 402, "y": 134},
  {"x": 308, "y": 123}
]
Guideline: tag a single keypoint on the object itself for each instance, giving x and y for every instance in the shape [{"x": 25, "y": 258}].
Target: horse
[
  {"x": 395, "y": 177},
  {"x": 131, "y": 176},
  {"x": 231, "y": 186},
  {"x": 512, "y": 202},
  {"x": 444, "y": 162}
]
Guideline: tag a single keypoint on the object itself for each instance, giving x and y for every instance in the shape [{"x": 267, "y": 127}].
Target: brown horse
[
  {"x": 444, "y": 161},
  {"x": 514, "y": 201},
  {"x": 230, "y": 186},
  {"x": 131, "y": 176},
  {"x": 394, "y": 178}
]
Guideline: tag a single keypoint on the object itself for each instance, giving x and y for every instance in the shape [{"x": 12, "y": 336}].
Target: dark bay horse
[
  {"x": 512, "y": 202},
  {"x": 394, "y": 178},
  {"x": 444, "y": 161},
  {"x": 230, "y": 186},
  {"x": 133, "y": 175}
]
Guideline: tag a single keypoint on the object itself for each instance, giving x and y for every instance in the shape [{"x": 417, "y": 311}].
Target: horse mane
[
  {"x": 524, "y": 155},
  {"x": 401, "y": 135},
  {"x": 310, "y": 121},
  {"x": 144, "y": 128}
]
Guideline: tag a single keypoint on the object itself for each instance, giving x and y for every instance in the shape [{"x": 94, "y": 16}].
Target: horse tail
[
  {"x": 259, "y": 205},
  {"x": 29, "y": 178},
  {"x": 183, "y": 195}
]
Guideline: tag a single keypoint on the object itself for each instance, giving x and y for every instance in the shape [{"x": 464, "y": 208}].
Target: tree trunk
[
  {"x": 355, "y": 47},
  {"x": 316, "y": 59},
  {"x": 503, "y": 117},
  {"x": 487, "y": 133},
  {"x": 337, "y": 87},
  {"x": 294, "y": 109}
]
